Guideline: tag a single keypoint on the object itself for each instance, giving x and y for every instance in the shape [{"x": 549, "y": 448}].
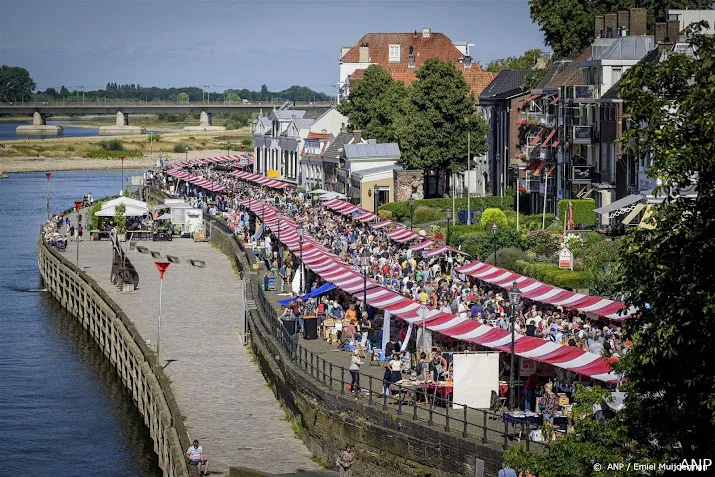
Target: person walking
[{"x": 355, "y": 363}]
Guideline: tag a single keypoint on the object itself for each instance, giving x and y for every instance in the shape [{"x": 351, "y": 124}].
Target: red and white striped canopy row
[
  {"x": 358, "y": 213},
  {"x": 199, "y": 181},
  {"x": 208, "y": 160},
  {"x": 332, "y": 269},
  {"x": 402, "y": 235},
  {"x": 544, "y": 293},
  {"x": 264, "y": 181}
]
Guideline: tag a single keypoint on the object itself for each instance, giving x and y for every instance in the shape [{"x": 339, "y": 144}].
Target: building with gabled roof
[{"x": 402, "y": 54}]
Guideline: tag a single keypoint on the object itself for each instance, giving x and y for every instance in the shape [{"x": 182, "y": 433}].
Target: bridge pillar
[
  {"x": 38, "y": 127},
  {"x": 121, "y": 127},
  {"x": 39, "y": 119},
  {"x": 122, "y": 119},
  {"x": 205, "y": 124}
]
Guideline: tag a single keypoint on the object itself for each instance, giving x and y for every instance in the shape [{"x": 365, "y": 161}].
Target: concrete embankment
[{"x": 121, "y": 343}]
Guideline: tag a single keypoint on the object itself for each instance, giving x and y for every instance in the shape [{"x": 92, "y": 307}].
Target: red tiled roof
[
  {"x": 315, "y": 135},
  {"x": 437, "y": 45}
]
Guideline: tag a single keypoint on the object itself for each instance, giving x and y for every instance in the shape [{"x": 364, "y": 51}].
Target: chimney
[
  {"x": 342, "y": 127},
  {"x": 357, "y": 136},
  {"x": 673, "y": 30},
  {"x": 599, "y": 26},
  {"x": 638, "y": 20},
  {"x": 611, "y": 25},
  {"x": 364, "y": 54},
  {"x": 661, "y": 32},
  {"x": 426, "y": 32},
  {"x": 623, "y": 20}
]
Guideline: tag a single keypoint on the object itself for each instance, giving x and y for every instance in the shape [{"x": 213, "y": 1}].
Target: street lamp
[
  {"x": 47, "y": 175},
  {"x": 300, "y": 229},
  {"x": 122, "y": 188},
  {"x": 514, "y": 301},
  {"x": 78, "y": 206},
  {"x": 449, "y": 219},
  {"x": 278, "y": 219},
  {"x": 495, "y": 230},
  {"x": 375, "y": 192},
  {"x": 365, "y": 263},
  {"x": 162, "y": 267},
  {"x": 411, "y": 203},
  {"x": 228, "y": 148}
]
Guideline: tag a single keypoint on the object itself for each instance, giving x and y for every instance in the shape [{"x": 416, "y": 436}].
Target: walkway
[{"x": 220, "y": 391}]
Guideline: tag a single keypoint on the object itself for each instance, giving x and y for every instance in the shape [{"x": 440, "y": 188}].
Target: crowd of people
[{"x": 429, "y": 280}]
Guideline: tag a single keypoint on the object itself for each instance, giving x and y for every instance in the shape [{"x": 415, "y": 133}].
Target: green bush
[
  {"x": 70, "y": 147},
  {"x": 401, "y": 211},
  {"x": 154, "y": 138},
  {"x": 95, "y": 222},
  {"x": 583, "y": 213},
  {"x": 180, "y": 147},
  {"x": 385, "y": 214},
  {"x": 507, "y": 257},
  {"x": 112, "y": 145},
  {"x": 493, "y": 216},
  {"x": 479, "y": 244},
  {"x": 543, "y": 243},
  {"x": 247, "y": 143},
  {"x": 428, "y": 214},
  {"x": 552, "y": 274}
]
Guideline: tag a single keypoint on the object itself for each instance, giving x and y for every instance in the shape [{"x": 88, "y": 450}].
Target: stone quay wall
[
  {"x": 122, "y": 344},
  {"x": 325, "y": 419}
]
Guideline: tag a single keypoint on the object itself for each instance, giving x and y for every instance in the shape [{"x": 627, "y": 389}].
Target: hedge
[
  {"x": 582, "y": 211},
  {"x": 401, "y": 210},
  {"x": 552, "y": 274}
]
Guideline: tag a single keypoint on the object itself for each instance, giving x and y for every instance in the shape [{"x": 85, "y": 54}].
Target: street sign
[
  {"x": 272, "y": 173},
  {"x": 566, "y": 259},
  {"x": 244, "y": 160}
]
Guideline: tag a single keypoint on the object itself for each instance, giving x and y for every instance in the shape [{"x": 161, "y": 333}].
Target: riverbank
[{"x": 43, "y": 164}]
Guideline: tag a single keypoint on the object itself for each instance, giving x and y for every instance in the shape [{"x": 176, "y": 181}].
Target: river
[
  {"x": 7, "y": 131},
  {"x": 63, "y": 410}
]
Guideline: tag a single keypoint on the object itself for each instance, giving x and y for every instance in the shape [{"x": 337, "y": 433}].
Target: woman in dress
[{"x": 346, "y": 461}]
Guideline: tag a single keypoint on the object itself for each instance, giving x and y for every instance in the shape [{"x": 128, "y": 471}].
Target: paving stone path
[{"x": 222, "y": 394}]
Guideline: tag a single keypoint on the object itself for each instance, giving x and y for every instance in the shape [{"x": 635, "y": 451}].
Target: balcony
[
  {"x": 537, "y": 119},
  {"x": 581, "y": 174},
  {"x": 583, "y": 92}
]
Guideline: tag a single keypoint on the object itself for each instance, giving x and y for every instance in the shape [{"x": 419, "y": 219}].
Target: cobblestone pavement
[{"x": 222, "y": 394}]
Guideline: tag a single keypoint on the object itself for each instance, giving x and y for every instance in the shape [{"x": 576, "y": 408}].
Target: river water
[
  {"x": 63, "y": 410},
  {"x": 7, "y": 130}
]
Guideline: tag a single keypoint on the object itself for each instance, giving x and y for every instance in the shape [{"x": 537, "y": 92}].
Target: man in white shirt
[{"x": 196, "y": 457}]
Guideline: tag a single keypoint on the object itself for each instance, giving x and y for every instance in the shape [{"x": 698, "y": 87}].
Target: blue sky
[{"x": 234, "y": 44}]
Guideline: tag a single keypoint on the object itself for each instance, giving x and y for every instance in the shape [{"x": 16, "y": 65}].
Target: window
[
  {"x": 395, "y": 53},
  {"x": 615, "y": 75}
]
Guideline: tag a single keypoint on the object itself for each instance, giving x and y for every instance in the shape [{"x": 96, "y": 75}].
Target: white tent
[
  {"x": 126, "y": 201},
  {"x": 131, "y": 211},
  {"x": 318, "y": 191},
  {"x": 333, "y": 195}
]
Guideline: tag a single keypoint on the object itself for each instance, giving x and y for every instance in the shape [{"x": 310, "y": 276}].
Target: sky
[{"x": 236, "y": 44}]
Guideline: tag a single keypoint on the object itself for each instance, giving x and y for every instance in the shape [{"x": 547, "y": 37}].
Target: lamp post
[
  {"x": 411, "y": 203},
  {"x": 228, "y": 148},
  {"x": 78, "y": 206},
  {"x": 278, "y": 219},
  {"x": 495, "y": 230},
  {"x": 514, "y": 300},
  {"x": 375, "y": 192},
  {"x": 162, "y": 267},
  {"x": 122, "y": 188},
  {"x": 300, "y": 242},
  {"x": 365, "y": 263},
  {"x": 47, "y": 175},
  {"x": 449, "y": 219}
]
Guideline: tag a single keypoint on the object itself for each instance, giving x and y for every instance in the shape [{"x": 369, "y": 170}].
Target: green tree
[
  {"x": 16, "y": 84},
  {"x": 182, "y": 98},
  {"x": 493, "y": 216},
  {"x": 439, "y": 113},
  {"x": 64, "y": 92},
  {"x": 523, "y": 62},
  {"x": 664, "y": 272},
  {"x": 375, "y": 104},
  {"x": 233, "y": 97},
  {"x": 568, "y": 24}
]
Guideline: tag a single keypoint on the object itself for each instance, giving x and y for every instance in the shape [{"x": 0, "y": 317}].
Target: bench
[
  {"x": 155, "y": 254},
  {"x": 142, "y": 249},
  {"x": 173, "y": 259},
  {"x": 197, "y": 263}
]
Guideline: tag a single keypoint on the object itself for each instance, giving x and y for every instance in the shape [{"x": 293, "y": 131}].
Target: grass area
[{"x": 129, "y": 146}]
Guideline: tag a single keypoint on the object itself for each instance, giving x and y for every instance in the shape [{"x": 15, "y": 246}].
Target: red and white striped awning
[
  {"x": 421, "y": 245},
  {"x": 439, "y": 250},
  {"x": 178, "y": 173},
  {"x": 365, "y": 217},
  {"x": 333, "y": 270},
  {"x": 402, "y": 235},
  {"x": 264, "y": 181},
  {"x": 380, "y": 225},
  {"x": 544, "y": 293}
]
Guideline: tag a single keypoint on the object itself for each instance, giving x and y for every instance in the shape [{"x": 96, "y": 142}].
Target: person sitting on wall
[{"x": 195, "y": 453}]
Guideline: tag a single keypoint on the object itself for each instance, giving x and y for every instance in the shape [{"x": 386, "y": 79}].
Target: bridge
[{"x": 122, "y": 110}]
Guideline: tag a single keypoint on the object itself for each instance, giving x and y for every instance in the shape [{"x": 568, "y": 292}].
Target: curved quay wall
[
  {"x": 122, "y": 344},
  {"x": 386, "y": 445}
]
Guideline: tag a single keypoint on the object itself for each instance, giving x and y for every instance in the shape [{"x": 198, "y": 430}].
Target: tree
[
  {"x": 568, "y": 24},
  {"x": 375, "y": 103},
  {"x": 52, "y": 92},
  {"x": 523, "y": 62},
  {"x": 16, "y": 84},
  {"x": 182, "y": 98},
  {"x": 664, "y": 271},
  {"x": 64, "y": 92},
  {"x": 493, "y": 216},
  {"x": 233, "y": 97},
  {"x": 439, "y": 113}
]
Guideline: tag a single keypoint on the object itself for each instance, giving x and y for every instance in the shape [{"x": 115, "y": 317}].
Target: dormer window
[{"x": 394, "y": 53}]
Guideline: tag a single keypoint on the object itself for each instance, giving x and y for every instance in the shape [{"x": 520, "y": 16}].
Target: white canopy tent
[
  {"x": 131, "y": 211},
  {"x": 124, "y": 200}
]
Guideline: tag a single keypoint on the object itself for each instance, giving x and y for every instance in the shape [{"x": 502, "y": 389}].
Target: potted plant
[{"x": 121, "y": 222}]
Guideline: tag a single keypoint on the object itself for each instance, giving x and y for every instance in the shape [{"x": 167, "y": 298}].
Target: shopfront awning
[
  {"x": 533, "y": 97},
  {"x": 548, "y": 138},
  {"x": 537, "y": 139},
  {"x": 619, "y": 204}
]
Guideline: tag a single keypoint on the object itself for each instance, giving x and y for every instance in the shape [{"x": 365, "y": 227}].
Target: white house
[{"x": 324, "y": 130}]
